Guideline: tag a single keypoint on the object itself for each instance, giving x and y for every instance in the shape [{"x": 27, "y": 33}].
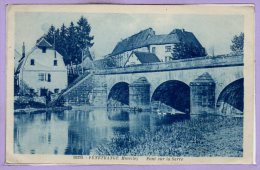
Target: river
[
  {"x": 74, "y": 131},
  {"x": 80, "y": 132}
]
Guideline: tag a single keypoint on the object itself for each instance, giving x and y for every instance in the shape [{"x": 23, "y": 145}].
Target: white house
[
  {"x": 137, "y": 57},
  {"x": 160, "y": 45},
  {"x": 41, "y": 71}
]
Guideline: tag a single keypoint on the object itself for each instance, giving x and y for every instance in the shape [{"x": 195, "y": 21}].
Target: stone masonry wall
[{"x": 91, "y": 91}]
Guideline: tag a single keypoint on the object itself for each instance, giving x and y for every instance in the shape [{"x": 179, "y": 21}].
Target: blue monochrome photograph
[{"x": 128, "y": 84}]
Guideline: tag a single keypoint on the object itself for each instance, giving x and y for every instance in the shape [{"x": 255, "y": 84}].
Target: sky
[{"x": 213, "y": 31}]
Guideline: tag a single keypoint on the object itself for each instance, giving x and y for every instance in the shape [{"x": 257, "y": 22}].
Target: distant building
[
  {"x": 41, "y": 71},
  {"x": 137, "y": 57},
  {"x": 160, "y": 45},
  {"x": 100, "y": 64}
]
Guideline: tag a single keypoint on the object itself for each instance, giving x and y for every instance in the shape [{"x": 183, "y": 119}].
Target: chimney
[{"x": 23, "y": 52}]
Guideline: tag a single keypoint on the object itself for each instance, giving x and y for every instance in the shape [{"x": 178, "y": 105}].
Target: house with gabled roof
[
  {"x": 137, "y": 58},
  {"x": 160, "y": 45},
  {"x": 41, "y": 71}
]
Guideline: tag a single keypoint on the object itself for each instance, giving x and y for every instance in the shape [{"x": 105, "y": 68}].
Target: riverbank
[
  {"x": 44, "y": 109},
  {"x": 200, "y": 136}
]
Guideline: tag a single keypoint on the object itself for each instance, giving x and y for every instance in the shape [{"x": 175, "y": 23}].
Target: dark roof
[
  {"x": 148, "y": 37},
  {"x": 145, "y": 57},
  {"x": 43, "y": 43},
  {"x": 163, "y": 39},
  {"x": 104, "y": 63},
  {"x": 23, "y": 59},
  {"x": 187, "y": 37},
  {"x": 135, "y": 41}
]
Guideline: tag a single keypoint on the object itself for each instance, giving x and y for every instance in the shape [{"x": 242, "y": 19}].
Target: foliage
[
  {"x": 71, "y": 41},
  {"x": 185, "y": 50},
  {"x": 201, "y": 136},
  {"x": 237, "y": 43}
]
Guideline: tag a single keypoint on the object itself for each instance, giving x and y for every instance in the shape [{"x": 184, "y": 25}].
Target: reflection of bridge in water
[{"x": 192, "y": 86}]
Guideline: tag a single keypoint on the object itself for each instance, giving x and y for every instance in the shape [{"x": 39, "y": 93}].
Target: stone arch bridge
[{"x": 193, "y": 86}]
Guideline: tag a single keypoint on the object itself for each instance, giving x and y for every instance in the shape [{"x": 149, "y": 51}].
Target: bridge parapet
[
  {"x": 142, "y": 82},
  {"x": 192, "y": 63}
]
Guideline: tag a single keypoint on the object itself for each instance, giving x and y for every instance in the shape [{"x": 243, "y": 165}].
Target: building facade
[
  {"x": 161, "y": 45},
  {"x": 42, "y": 71}
]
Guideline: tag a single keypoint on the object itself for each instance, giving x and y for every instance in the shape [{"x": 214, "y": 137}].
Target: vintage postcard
[{"x": 130, "y": 84}]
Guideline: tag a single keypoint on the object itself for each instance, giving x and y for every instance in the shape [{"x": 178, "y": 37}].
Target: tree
[
  {"x": 83, "y": 31},
  {"x": 71, "y": 41},
  {"x": 187, "y": 50},
  {"x": 63, "y": 46},
  {"x": 50, "y": 35},
  {"x": 56, "y": 43},
  {"x": 237, "y": 43},
  {"x": 179, "y": 51},
  {"x": 83, "y": 35}
]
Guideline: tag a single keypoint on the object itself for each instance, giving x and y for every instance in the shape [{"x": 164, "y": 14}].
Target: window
[
  {"x": 56, "y": 90},
  {"x": 167, "y": 48},
  {"x": 153, "y": 50},
  {"x": 44, "y": 50},
  {"x": 49, "y": 78},
  {"x": 55, "y": 62},
  {"x": 41, "y": 76},
  {"x": 32, "y": 62}
]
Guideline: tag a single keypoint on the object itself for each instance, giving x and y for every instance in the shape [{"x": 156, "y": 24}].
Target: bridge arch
[
  {"x": 118, "y": 95},
  {"x": 173, "y": 93},
  {"x": 231, "y": 98}
]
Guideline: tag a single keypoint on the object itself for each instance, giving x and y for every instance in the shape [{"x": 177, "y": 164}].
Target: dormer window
[
  {"x": 44, "y": 50},
  {"x": 32, "y": 62},
  {"x": 55, "y": 62}
]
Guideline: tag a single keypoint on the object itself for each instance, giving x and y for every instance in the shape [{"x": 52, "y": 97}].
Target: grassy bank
[{"x": 201, "y": 136}]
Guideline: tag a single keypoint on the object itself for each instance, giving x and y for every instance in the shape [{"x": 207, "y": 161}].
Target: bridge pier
[
  {"x": 139, "y": 94},
  {"x": 98, "y": 96},
  {"x": 203, "y": 95}
]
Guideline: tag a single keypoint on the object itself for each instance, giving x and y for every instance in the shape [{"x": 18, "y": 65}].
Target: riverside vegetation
[{"x": 200, "y": 136}]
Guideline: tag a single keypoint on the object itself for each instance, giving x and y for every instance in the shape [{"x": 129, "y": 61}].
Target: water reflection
[
  {"x": 115, "y": 113},
  {"x": 76, "y": 131},
  {"x": 39, "y": 133}
]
